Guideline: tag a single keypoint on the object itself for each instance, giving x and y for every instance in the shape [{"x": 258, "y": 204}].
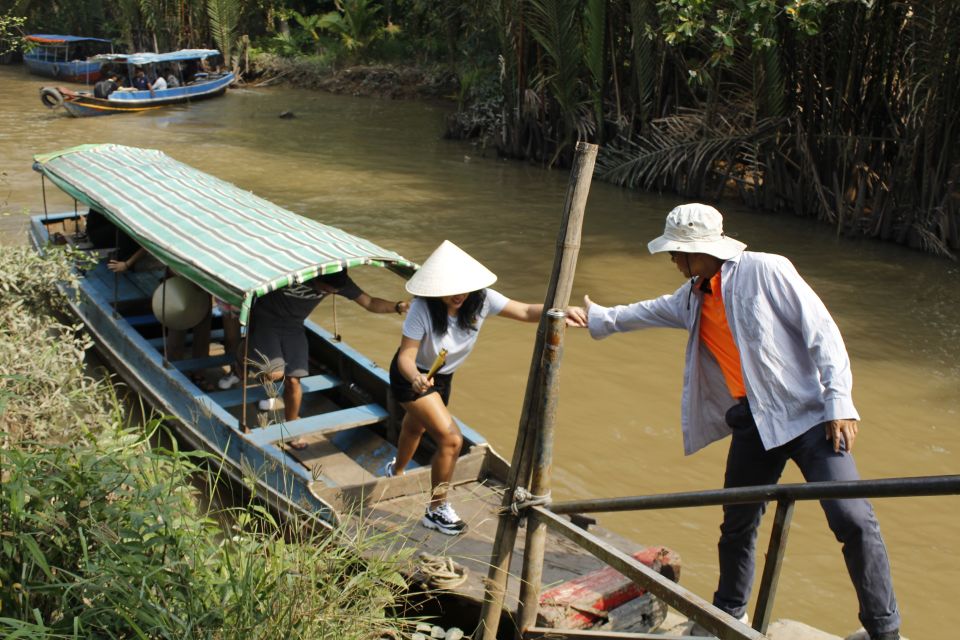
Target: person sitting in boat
[
  {"x": 159, "y": 83},
  {"x": 105, "y": 87},
  {"x": 278, "y": 340},
  {"x": 140, "y": 81},
  {"x": 452, "y": 301},
  {"x": 172, "y": 80}
]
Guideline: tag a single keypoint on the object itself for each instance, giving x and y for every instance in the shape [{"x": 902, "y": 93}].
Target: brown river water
[{"x": 381, "y": 170}]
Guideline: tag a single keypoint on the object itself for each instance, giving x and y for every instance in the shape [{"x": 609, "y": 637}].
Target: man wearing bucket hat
[
  {"x": 765, "y": 362},
  {"x": 452, "y": 301}
]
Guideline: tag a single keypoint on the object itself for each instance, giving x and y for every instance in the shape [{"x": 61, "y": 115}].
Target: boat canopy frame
[{"x": 230, "y": 242}]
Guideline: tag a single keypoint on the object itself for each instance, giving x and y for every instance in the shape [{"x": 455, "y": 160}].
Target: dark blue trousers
[{"x": 852, "y": 521}]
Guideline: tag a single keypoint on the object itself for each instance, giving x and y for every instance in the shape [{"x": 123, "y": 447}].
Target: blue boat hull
[
  {"x": 82, "y": 104},
  {"x": 80, "y": 71}
]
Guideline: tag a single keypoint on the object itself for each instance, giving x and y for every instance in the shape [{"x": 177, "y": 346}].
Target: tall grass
[{"x": 101, "y": 531}]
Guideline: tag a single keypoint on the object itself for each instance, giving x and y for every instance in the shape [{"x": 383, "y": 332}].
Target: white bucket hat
[
  {"x": 180, "y": 304},
  {"x": 696, "y": 228},
  {"x": 449, "y": 271}
]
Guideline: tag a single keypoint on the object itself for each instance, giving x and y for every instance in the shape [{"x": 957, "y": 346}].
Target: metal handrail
[
  {"x": 886, "y": 488},
  {"x": 785, "y": 495}
]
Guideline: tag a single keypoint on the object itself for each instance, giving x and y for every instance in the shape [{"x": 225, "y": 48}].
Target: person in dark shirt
[
  {"x": 105, "y": 87},
  {"x": 140, "y": 81},
  {"x": 278, "y": 340}
]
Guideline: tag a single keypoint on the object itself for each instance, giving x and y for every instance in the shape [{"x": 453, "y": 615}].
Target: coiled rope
[{"x": 441, "y": 572}]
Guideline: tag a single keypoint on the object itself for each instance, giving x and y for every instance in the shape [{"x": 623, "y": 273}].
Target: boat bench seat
[
  {"x": 125, "y": 287},
  {"x": 145, "y": 320},
  {"x": 234, "y": 397},
  {"x": 196, "y": 364},
  {"x": 363, "y": 415},
  {"x": 215, "y": 336}
]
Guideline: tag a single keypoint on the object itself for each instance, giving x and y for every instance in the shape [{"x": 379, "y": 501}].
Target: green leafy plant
[
  {"x": 224, "y": 16},
  {"x": 357, "y": 24}
]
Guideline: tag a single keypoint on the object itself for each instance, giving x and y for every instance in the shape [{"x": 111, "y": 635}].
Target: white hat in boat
[
  {"x": 696, "y": 228},
  {"x": 180, "y": 304},
  {"x": 449, "y": 271}
]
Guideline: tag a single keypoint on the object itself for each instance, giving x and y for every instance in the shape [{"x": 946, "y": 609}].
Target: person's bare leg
[
  {"x": 201, "y": 337},
  {"x": 411, "y": 432},
  {"x": 430, "y": 412},
  {"x": 176, "y": 344},
  {"x": 292, "y": 396},
  {"x": 231, "y": 341}
]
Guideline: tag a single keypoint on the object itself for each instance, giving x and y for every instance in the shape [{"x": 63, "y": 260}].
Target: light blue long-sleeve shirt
[{"x": 795, "y": 365}]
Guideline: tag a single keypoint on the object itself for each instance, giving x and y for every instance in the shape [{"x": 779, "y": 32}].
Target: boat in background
[
  {"x": 189, "y": 66},
  {"x": 239, "y": 247},
  {"x": 68, "y": 58}
]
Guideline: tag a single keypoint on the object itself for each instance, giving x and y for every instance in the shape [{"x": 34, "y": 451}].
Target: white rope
[
  {"x": 523, "y": 500},
  {"x": 441, "y": 572}
]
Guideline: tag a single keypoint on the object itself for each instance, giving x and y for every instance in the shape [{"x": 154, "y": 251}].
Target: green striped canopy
[{"x": 228, "y": 241}]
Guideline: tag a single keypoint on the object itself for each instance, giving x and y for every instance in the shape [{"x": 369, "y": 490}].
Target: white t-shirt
[
  {"x": 458, "y": 342},
  {"x": 159, "y": 83}
]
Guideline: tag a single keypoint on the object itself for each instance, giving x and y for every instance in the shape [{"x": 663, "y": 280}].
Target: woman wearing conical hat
[{"x": 452, "y": 301}]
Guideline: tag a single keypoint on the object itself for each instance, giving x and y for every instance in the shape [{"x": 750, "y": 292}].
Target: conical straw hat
[
  {"x": 180, "y": 304},
  {"x": 449, "y": 271}
]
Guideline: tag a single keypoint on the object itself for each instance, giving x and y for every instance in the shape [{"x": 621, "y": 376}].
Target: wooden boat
[
  {"x": 238, "y": 247},
  {"x": 67, "y": 58},
  {"x": 195, "y": 84}
]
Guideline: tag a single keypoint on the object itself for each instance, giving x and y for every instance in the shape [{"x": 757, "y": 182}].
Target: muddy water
[{"x": 380, "y": 169}]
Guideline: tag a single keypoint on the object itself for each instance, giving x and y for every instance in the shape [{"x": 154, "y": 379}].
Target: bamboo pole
[
  {"x": 558, "y": 296},
  {"x": 540, "y": 483}
]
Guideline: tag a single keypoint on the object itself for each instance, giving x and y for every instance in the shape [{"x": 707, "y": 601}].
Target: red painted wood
[{"x": 581, "y": 602}]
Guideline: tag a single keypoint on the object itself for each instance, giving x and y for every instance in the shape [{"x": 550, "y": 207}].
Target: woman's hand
[
  {"x": 579, "y": 316},
  {"x": 421, "y": 383},
  {"x": 576, "y": 317},
  {"x": 117, "y": 266}
]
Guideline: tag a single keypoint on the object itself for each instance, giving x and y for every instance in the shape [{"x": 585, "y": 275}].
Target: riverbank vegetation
[
  {"x": 840, "y": 110},
  {"x": 102, "y": 533}
]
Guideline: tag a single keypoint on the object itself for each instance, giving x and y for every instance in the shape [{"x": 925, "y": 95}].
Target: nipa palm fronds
[
  {"x": 224, "y": 16},
  {"x": 677, "y": 152}
]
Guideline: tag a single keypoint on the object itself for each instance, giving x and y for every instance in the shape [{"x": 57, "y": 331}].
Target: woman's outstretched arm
[{"x": 531, "y": 313}]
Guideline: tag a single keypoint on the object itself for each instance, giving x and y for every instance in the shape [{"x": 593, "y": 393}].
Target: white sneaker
[
  {"x": 269, "y": 404},
  {"x": 443, "y": 519},
  {"x": 388, "y": 469},
  {"x": 228, "y": 381}
]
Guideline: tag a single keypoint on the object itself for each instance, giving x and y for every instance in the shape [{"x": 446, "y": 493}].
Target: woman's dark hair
[{"x": 466, "y": 315}]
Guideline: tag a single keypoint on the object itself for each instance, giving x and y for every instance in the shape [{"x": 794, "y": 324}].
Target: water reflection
[{"x": 379, "y": 169}]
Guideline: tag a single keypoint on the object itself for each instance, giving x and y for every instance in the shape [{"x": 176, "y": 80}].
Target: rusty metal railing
[{"x": 786, "y": 496}]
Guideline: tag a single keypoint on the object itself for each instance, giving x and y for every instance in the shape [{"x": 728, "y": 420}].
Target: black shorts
[
  {"x": 403, "y": 390},
  {"x": 276, "y": 346}
]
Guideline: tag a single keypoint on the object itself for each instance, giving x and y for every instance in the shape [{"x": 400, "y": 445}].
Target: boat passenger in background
[
  {"x": 105, "y": 87},
  {"x": 140, "y": 81},
  {"x": 172, "y": 81},
  {"x": 765, "y": 362},
  {"x": 452, "y": 301},
  {"x": 159, "y": 83},
  {"x": 278, "y": 339}
]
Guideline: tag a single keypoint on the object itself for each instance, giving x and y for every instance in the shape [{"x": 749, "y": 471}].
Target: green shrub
[
  {"x": 44, "y": 390},
  {"x": 102, "y": 534},
  {"x": 111, "y": 543}
]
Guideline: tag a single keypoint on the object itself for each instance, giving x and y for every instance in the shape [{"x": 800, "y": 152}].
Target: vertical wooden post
[
  {"x": 773, "y": 564},
  {"x": 533, "y": 549},
  {"x": 558, "y": 296}
]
